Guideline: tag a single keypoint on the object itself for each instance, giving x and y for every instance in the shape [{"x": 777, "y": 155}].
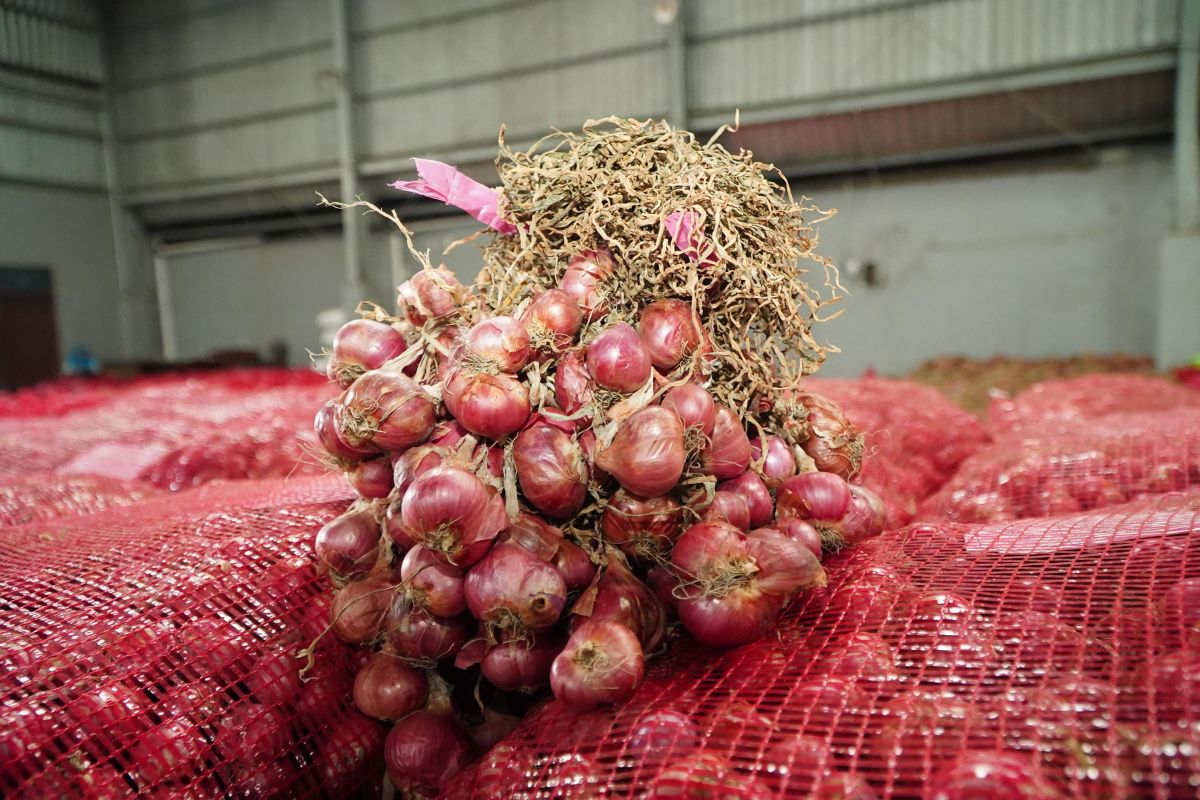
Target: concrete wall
[
  {"x": 1026, "y": 258},
  {"x": 70, "y": 232}
]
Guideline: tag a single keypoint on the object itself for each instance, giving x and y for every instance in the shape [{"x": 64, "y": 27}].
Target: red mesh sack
[
  {"x": 1088, "y": 397},
  {"x": 41, "y": 496},
  {"x": 1061, "y": 467},
  {"x": 916, "y": 437},
  {"x": 1043, "y": 659},
  {"x": 179, "y": 433},
  {"x": 151, "y": 651}
]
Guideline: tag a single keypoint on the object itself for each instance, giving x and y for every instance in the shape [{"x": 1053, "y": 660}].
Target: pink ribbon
[
  {"x": 685, "y": 232},
  {"x": 443, "y": 182}
]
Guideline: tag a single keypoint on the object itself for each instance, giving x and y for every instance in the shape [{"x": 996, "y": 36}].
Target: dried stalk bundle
[{"x": 612, "y": 185}]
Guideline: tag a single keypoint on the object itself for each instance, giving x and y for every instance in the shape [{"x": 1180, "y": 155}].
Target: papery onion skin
[
  {"x": 779, "y": 462},
  {"x": 453, "y": 514},
  {"x": 800, "y": 531},
  {"x": 510, "y": 586},
  {"x": 423, "y": 637},
  {"x": 616, "y": 359},
  {"x": 574, "y": 564},
  {"x": 728, "y": 507},
  {"x": 498, "y": 344},
  {"x": 551, "y": 470},
  {"x": 349, "y": 545},
  {"x": 785, "y": 565},
  {"x": 359, "y": 608},
  {"x": 602, "y": 663},
  {"x": 325, "y": 427},
  {"x": 647, "y": 454},
  {"x": 521, "y": 664},
  {"x": 385, "y": 411},
  {"x": 865, "y": 517},
  {"x": 432, "y": 584},
  {"x": 728, "y": 454},
  {"x": 621, "y": 597},
  {"x": 488, "y": 405},
  {"x": 425, "y": 750},
  {"x": 371, "y": 479},
  {"x": 670, "y": 330},
  {"x": 834, "y": 443},
  {"x": 414, "y": 462},
  {"x": 694, "y": 405},
  {"x": 642, "y": 527},
  {"x": 362, "y": 345},
  {"x": 821, "y": 498},
  {"x": 583, "y": 281},
  {"x": 430, "y": 294},
  {"x": 573, "y": 384},
  {"x": 387, "y": 688},
  {"x": 751, "y": 488},
  {"x": 553, "y": 318}
]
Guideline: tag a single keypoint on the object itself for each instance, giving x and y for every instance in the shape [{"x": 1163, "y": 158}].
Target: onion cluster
[{"x": 541, "y": 493}]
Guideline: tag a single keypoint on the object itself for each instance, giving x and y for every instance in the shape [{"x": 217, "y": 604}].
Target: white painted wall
[
  {"x": 1031, "y": 258},
  {"x": 70, "y": 232}
]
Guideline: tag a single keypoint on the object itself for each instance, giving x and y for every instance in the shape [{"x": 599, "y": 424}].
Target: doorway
[{"x": 28, "y": 334}]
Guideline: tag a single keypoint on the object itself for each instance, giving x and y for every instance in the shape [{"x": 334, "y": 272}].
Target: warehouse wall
[{"x": 1028, "y": 258}]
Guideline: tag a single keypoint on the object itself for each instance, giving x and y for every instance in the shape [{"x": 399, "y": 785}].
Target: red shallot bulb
[
  {"x": 326, "y": 429},
  {"x": 425, "y": 750},
  {"x": 647, "y": 454},
  {"x": 430, "y": 294},
  {"x": 573, "y": 385},
  {"x": 619, "y": 596},
  {"x": 488, "y": 405},
  {"x": 432, "y": 584},
  {"x": 349, "y": 544},
  {"x": 414, "y": 462},
  {"x": 362, "y": 345},
  {"x": 574, "y": 564},
  {"x": 393, "y": 526},
  {"x": 551, "y": 469},
  {"x": 453, "y": 514},
  {"x": 496, "y": 344},
  {"x": 521, "y": 664},
  {"x": 694, "y": 405},
  {"x": 728, "y": 507},
  {"x": 617, "y": 360},
  {"x": 511, "y": 589},
  {"x": 779, "y": 462},
  {"x": 372, "y": 478},
  {"x": 359, "y": 608},
  {"x": 751, "y": 488},
  {"x": 670, "y": 330},
  {"x": 448, "y": 433},
  {"x": 385, "y": 411},
  {"x": 787, "y": 565},
  {"x": 553, "y": 319},
  {"x": 582, "y": 281},
  {"x": 387, "y": 688},
  {"x": 800, "y": 531},
  {"x": 423, "y": 637},
  {"x": 728, "y": 452},
  {"x": 820, "y": 498},
  {"x": 642, "y": 527},
  {"x": 602, "y": 663},
  {"x": 866, "y": 516},
  {"x": 834, "y": 443}
]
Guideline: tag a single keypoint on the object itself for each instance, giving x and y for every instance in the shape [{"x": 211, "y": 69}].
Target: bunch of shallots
[{"x": 543, "y": 494}]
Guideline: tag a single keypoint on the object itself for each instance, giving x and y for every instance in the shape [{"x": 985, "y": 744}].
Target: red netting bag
[
  {"x": 1042, "y": 659},
  {"x": 1088, "y": 397},
  {"x": 151, "y": 651},
  {"x": 41, "y": 496},
  {"x": 1062, "y": 467},
  {"x": 180, "y": 433},
  {"x": 916, "y": 437}
]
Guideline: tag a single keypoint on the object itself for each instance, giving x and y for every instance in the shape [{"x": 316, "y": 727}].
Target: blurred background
[{"x": 1013, "y": 178}]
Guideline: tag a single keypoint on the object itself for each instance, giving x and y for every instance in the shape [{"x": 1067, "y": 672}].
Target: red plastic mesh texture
[
  {"x": 1062, "y": 467},
  {"x": 177, "y": 434},
  {"x": 1055, "y": 649},
  {"x": 1088, "y": 397},
  {"x": 42, "y": 496},
  {"x": 150, "y": 651},
  {"x": 916, "y": 438}
]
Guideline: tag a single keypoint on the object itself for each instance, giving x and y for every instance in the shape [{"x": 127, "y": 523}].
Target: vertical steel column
[
  {"x": 353, "y": 228},
  {"x": 677, "y": 82},
  {"x": 1187, "y": 120}
]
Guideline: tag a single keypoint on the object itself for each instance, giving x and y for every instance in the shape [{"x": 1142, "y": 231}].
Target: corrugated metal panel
[
  {"x": 51, "y": 37},
  {"x": 816, "y": 52},
  {"x": 50, "y": 158},
  {"x": 369, "y": 16},
  {"x": 26, "y": 109},
  {"x": 723, "y": 18}
]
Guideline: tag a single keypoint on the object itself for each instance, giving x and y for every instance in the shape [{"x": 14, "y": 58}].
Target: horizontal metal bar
[
  {"x": 446, "y": 19},
  {"x": 182, "y": 19},
  {"x": 44, "y": 88},
  {"x": 46, "y": 16},
  {"x": 257, "y": 118},
  {"x": 492, "y": 76},
  {"x": 814, "y": 19},
  {"x": 52, "y": 183},
  {"x": 298, "y": 175},
  {"x": 92, "y": 135},
  {"x": 252, "y": 60},
  {"x": 1016, "y": 80}
]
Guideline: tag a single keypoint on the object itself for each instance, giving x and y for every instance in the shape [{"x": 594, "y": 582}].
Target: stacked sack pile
[{"x": 607, "y": 433}]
